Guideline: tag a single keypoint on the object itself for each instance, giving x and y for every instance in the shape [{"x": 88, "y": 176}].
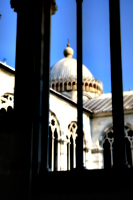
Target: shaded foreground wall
[{"x": 76, "y": 184}]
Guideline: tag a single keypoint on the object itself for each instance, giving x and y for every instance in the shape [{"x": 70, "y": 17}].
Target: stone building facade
[{"x": 98, "y": 137}]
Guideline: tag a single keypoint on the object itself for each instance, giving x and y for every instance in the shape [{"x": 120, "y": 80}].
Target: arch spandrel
[{"x": 54, "y": 123}]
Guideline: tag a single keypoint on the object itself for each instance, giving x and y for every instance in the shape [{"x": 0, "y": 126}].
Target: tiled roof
[{"x": 104, "y": 102}]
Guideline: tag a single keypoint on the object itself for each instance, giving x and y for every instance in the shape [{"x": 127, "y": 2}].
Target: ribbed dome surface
[{"x": 66, "y": 68}]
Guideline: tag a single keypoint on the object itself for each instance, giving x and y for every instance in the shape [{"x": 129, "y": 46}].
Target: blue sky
[{"x": 96, "y": 43}]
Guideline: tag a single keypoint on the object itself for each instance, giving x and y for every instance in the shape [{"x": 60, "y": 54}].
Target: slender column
[
  {"x": 117, "y": 87},
  {"x": 111, "y": 152},
  {"x": 74, "y": 154},
  {"x": 58, "y": 155},
  {"x": 79, "y": 160},
  {"x": 111, "y": 141},
  {"x": 61, "y": 154},
  {"x": 52, "y": 157},
  {"x": 65, "y": 154},
  {"x": 68, "y": 155}
]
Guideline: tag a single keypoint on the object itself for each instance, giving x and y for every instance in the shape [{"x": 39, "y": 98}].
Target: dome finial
[
  {"x": 68, "y": 52},
  {"x": 68, "y": 44}
]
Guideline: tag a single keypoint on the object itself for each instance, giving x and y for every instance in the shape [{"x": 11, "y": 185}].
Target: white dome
[{"x": 66, "y": 68}]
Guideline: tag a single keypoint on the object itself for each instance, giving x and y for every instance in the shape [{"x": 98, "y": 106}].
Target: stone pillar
[
  {"x": 79, "y": 141},
  {"x": 31, "y": 82},
  {"x": 117, "y": 87},
  {"x": 44, "y": 106},
  {"x": 48, "y": 8},
  {"x": 26, "y": 98}
]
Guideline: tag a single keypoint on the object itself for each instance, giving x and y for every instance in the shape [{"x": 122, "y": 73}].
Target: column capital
[
  {"x": 54, "y": 7},
  {"x": 15, "y": 4},
  {"x": 20, "y": 4},
  {"x": 79, "y": 1}
]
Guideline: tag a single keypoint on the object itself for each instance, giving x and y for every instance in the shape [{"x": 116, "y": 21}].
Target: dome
[
  {"x": 66, "y": 68},
  {"x": 63, "y": 78}
]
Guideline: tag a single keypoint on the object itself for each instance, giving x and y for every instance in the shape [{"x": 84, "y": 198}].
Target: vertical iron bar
[
  {"x": 79, "y": 140},
  {"x": 117, "y": 87}
]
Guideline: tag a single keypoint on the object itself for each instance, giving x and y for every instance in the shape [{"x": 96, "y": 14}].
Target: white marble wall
[
  {"x": 66, "y": 113},
  {"x": 98, "y": 126},
  {"x": 7, "y": 81}
]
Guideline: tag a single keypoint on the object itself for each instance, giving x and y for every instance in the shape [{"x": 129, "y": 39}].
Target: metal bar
[
  {"x": 79, "y": 149},
  {"x": 117, "y": 87}
]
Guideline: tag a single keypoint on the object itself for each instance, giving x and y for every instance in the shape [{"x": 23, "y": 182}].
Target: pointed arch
[
  {"x": 106, "y": 140},
  {"x": 71, "y": 145},
  {"x": 54, "y": 136}
]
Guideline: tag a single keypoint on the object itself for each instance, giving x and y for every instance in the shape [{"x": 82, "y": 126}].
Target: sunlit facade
[{"x": 98, "y": 138}]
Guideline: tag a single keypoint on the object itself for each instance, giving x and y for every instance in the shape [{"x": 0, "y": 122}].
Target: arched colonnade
[
  {"x": 107, "y": 143},
  {"x": 87, "y": 86},
  {"x": 62, "y": 147}
]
